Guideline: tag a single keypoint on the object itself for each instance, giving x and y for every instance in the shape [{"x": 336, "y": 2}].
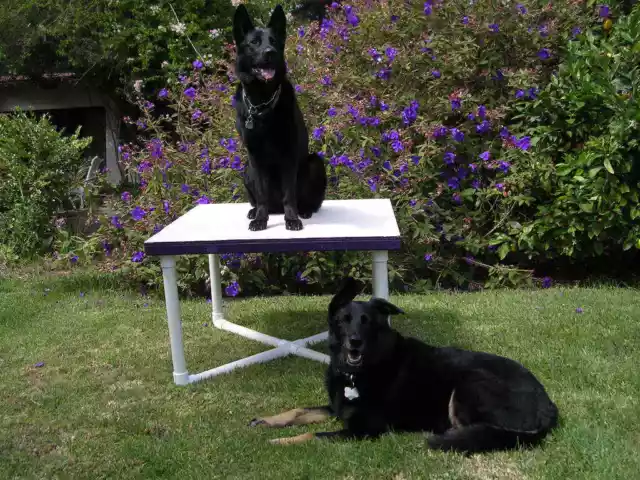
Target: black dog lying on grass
[
  {"x": 379, "y": 381},
  {"x": 282, "y": 176}
]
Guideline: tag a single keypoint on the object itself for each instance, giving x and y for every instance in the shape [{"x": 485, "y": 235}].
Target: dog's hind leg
[{"x": 297, "y": 416}]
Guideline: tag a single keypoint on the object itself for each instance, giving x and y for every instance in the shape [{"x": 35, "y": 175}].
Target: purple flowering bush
[
  {"x": 405, "y": 100},
  {"x": 577, "y": 195}
]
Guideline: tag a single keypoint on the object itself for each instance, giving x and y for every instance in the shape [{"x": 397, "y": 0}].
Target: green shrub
[
  {"x": 38, "y": 165},
  {"x": 575, "y": 194},
  {"x": 406, "y": 100}
]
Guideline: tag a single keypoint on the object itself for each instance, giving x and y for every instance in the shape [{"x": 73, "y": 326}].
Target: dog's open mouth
[
  {"x": 264, "y": 74},
  {"x": 354, "y": 358}
]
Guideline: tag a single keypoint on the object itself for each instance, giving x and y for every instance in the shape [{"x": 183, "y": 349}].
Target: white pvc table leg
[
  {"x": 216, "y": 288},
  {"x": 381, "y": 276},
  {"x": 180, "y": 374}
]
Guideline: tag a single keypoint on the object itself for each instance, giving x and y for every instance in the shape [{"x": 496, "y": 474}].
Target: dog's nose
[
  {"x": 355, "y": 342},
  {"x": 269, "y": 53}
]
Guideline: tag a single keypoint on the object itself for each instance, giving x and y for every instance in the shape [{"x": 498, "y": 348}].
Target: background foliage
[
  {"x": 38, "y": 168},
  {"x": 436, "y": 106}
]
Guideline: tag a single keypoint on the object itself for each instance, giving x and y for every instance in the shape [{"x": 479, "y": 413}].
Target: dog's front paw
[
  {"x": 257, "y": 421},
  {"x": 256, "y": 225},
  {"x": 293, "y": 224},
  {"x": 305, "y": 215},
  {"x": 252, "y": 213}
]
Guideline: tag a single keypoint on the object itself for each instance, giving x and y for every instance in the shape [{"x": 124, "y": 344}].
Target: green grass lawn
[{"x": 104, "y": 404}]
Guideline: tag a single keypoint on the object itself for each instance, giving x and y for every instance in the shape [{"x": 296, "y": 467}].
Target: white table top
[{"x": 224, "y": 228}]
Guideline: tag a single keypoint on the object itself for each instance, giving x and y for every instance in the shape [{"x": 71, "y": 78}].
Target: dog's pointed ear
[
  {"x": 385, "y": 307},
  {"x": 278, "y": 23},
  {"x": 242, "y": 24},
  {"x": 347, "y": 292}
]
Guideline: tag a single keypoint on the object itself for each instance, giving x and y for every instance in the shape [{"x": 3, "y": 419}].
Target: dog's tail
[
  {"x": 477, "y": 438},
  {"x": 480, "y": 438}
]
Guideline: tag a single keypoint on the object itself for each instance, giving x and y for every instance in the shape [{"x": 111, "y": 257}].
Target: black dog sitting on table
[
  {"x": 379, "y": 381},
  {"x": 282, "y": 176}
]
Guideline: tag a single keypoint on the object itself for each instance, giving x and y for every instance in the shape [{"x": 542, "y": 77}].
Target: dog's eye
[
  {"x": 272, "y": 40},
  {"x": 255, "y": 41},
  {"x": 364, "y": 319}
]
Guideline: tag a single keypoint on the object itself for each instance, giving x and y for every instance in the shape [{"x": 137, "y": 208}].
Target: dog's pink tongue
[{"x": 267, "y": 74}]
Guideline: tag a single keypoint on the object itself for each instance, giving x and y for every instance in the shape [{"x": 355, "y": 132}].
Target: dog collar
[
  {"x": 350, "y": 391},
  {"x": 257, "y": 110}
]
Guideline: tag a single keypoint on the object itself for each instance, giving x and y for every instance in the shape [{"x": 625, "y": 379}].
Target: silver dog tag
[
  {"x": 351, "y": 393},
  {"x": 249, "y": 122}
]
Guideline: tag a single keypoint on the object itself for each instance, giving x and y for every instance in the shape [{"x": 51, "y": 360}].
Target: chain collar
[{"x": 257, "y": 110}]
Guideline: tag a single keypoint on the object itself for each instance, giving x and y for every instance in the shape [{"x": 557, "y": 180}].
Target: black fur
[
  {"x": 406, "y": 385},
  {"x": 282, "y": 176}
]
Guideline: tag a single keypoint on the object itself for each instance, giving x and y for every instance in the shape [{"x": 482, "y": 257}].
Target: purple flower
[
  {"x": 453, "y": 183},
  {"x": 449, "y": 158},
  {"x": 197, "y": 64},
  {"x": 504, "y": 166},
  {"x": 415, "y": 159},
  {"x": 504, "y": 132},
  {"x": 521, "y": 9},
  {"x": 301, "y": 278},
  {"x": 475, "y": 184},
  {"x": 440, "y": 132},
  {"x": 163, "y": 93},
  {"x": 436, "y": 73},
  {"x": 482, "y": 111},
  {"x": 524, "y": 143},
  {"x": 428, "y": 8},
  {"x": 465, "y": 20},
  {"x": 232, "y": 289},
  {"x": 185, "y": 188},
  {"x": 138, "y": 213},
  {"x": 190, "y": 93},
  {"x": 126, "y": 197},
  {"x": 455, "y": 104},
  {"x": 301, "y": 32},
  {"x": 115, "y": 221},
  {"x": 39, "y": 365},
  {"x": 326, "y": 80},
  {"x": 494, "y": 27},
  {"x": 579, "y": 310},
  {"x": 413, "y": 202},
  {"x": 156, "y": 148},
  {"x": 603, "y": 11},
  {"x": 387, "y": 165},
  {"x": 575, "y": 31},
  {"x": 166, "y": 206},
  {"x": 499, "y": 187},
  {"x": 456, "y": 198},
  {"x": 544, "y": 54},
  {"x": 457, "y": 135},
  {"x": 520, "y": 94},
  {"x": 483, "y": 127},
  {"x": 428, "y": 257},
  {"x": 547, "y": 282},
  {"x": 137, "y": 257},
  {"x": 74, "y": 259},
  {"x": 196, "y": 115},
  {"x": 332, "y": 112},
  {"x": 318, "y": 133},
  {"x": 203, "y": 200},
  {"x": 391, "y": 53}
]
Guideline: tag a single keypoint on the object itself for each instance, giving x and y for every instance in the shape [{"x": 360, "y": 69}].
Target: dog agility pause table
[{"x": 224, "y": 228}]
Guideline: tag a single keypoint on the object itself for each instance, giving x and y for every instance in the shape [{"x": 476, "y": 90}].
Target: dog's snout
[{"x": 355, "y": 342}]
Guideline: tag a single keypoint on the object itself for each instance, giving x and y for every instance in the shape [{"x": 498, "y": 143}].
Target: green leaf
[
  {"x": 503, "y": 251},
  {"x": 587, "y": 207},
  {"x": 607, "y": 165},
  {"x": 599, "y": 249}
]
